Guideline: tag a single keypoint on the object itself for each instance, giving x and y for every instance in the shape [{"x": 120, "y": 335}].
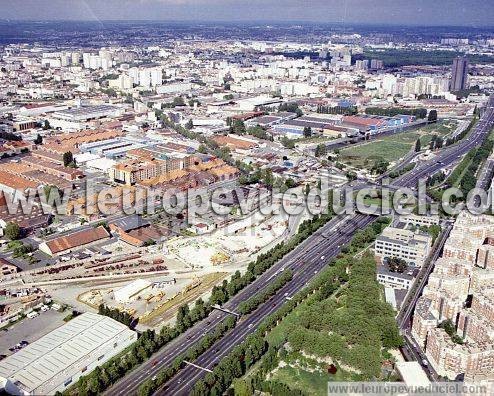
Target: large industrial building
[{"x": 58, "y": 359}]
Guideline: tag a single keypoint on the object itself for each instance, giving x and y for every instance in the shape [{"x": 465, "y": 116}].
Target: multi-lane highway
[
  {"x": 308, "y": 262},
  {"x": 305, "y": 262},
  {"x": 453, "y": 153}
]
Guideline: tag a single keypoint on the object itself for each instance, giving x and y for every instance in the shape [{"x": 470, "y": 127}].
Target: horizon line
[{"x": 252, "y": 21}]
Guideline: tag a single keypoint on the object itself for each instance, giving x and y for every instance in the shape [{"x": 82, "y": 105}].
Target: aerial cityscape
[{"x": 246, "y": 198}]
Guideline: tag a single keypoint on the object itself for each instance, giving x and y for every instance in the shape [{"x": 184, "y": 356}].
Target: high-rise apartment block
[
  {"x": 461, "y": 290},
  {"x": 459, "y": 74}
]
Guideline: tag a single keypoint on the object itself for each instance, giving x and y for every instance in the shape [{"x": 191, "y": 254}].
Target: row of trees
[
  {"x": 102, "y": 377},
  {"x": 469, "y": 180},
  {"x": 462, "y": 135},
  {"x": 363, "y": 238},
  {"x": 454, "y": 177},
  {"x": 259, "y": 133},
  {"x": 397, "y": 57},
  {"x": 291, "y": 107},
  {"x": 419, "y": 112},
  {"x": 119, "y": 316},
  {"x": 402, "y": 171},
  {"x": 232, "y": 366},
  {"x": 464, "y": 174},
  {"x": 252, "y": 303},
  {"x": 352, "y": 110},
  {"x": 187, "y": 317}
]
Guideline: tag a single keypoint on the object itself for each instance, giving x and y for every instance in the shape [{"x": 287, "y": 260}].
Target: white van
[{"x": 32, "y": 314}]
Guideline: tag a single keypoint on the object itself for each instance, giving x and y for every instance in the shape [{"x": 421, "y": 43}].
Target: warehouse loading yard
[{"x": 181, "y": 271}]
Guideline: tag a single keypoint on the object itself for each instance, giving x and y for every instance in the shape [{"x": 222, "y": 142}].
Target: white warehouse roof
[
  {"x": 46, "y": 363},
  {"x": 130, "y": 290}
]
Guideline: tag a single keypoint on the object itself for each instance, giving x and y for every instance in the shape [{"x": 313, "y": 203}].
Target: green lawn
[
  {"x": 315, "y": 383},
  {"x": 392, "y": 148},
  {"x": 364, "y": 155}
]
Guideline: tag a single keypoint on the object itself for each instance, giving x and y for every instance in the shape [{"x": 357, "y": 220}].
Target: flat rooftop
[{"x": 42, "y": 365}]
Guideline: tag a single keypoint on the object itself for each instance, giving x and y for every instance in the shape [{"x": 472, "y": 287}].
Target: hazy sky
[{"x": 415, "y": 12}]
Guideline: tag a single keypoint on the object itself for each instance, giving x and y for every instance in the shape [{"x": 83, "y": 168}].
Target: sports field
[{"x": 392, "y": 148}]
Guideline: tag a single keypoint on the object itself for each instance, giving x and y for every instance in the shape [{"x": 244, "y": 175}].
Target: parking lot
[{"x": 30, "y": 329}]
